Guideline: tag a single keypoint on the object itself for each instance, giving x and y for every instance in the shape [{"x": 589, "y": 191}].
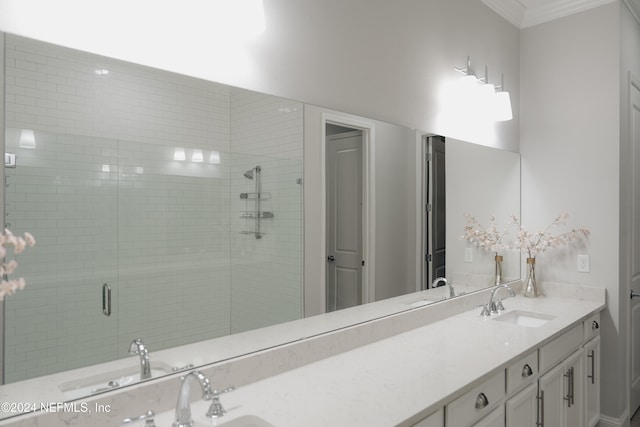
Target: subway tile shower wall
[{"x": 108, "y": 203}]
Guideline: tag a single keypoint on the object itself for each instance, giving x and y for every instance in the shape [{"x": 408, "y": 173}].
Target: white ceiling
[{"x": 527, "y": 13}]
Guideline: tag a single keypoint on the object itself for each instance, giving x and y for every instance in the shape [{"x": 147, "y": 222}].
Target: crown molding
[
  {"x": 522, "y": 16},
  {"x": 511, "y": 10}
]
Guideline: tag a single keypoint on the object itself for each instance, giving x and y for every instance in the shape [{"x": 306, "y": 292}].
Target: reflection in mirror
[
  {"x": 179, "y": 202},
  {"x": 136, "y": 184},
  {"x": 481, "y": 182}
]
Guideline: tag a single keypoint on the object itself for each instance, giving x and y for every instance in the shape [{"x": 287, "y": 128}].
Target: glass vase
[
  {"x": 531, "y": 287},
  {"x": 497, "y": 277}
]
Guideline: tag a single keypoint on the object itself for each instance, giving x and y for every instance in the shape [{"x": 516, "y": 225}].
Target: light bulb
[
  {"x": 502, "y": 107},
  {"x": 179, "y": 154},
  {"x": 197, "y": 156}
]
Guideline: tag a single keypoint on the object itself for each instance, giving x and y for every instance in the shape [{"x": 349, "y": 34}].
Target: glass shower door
[{"x": 63, "y": 190}]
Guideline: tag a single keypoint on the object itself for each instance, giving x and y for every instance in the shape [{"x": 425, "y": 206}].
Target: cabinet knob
[
  {"x": 527, "y": 371},
  {"x": 482, "y": 401},
  {"x": 595, "y": 325}
]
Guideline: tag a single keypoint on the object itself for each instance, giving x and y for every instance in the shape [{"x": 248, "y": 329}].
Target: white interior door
[
  {"x": 635, "y": 250},
  {"x": 344, "y": 167}
]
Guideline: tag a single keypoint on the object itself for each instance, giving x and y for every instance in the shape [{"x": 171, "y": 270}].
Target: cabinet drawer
[
  {"x": 522, "y": 372},
  {"x": 477, "y": 402},
  {"x": 591, "y": 327},
  {"x": 561, "y": 347}
]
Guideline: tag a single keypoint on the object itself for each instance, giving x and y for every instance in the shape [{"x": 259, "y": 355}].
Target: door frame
[{"x": 368, "y": 202}]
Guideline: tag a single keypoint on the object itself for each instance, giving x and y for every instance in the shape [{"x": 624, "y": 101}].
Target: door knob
[{"x": 331, "y": 258}]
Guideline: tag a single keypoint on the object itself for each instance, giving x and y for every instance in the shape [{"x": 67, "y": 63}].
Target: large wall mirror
[{"x": 179, "y": 210}]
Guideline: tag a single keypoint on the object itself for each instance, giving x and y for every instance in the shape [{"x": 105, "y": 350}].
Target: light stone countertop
[
  {"x": 48, "y": 388},
  {"x": 399, "y": 379}
]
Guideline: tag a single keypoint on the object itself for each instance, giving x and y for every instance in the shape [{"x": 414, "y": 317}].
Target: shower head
[{"x": 249, "y": 174}]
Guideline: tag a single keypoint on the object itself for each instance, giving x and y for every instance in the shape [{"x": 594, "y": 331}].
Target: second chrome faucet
[
  {"x": 437, "y": 283},
  {"x": 492, "y": 307},
  {"x": 183, "y": 409},
  {"x": 138, "y": 347}
]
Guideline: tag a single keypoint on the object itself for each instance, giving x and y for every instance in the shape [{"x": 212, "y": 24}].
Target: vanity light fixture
[
  {"x": 179, "y": 154},
  {"x": 27, "y": 139},
  {"x": 485, "y": 94},
  {"x": 468, "y": 75},
  {"x": 502, "y": 107},
  {"x": 197, "y": 156},
  {"x": 488, "y": 90}
]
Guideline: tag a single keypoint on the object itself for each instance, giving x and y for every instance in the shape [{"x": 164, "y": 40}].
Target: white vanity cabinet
[{"x": 556, "y": 385}]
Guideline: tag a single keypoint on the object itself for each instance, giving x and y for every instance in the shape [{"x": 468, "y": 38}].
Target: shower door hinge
[
  {"x": 363, "y": 263},
  {"x": 427, "y": 207},
  {"x": 428, "y": 157}
]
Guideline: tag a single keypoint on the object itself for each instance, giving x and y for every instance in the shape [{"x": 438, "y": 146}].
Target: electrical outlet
[
  {"x": 468, "y": 255},
  {"x": 583, "y": 263}
]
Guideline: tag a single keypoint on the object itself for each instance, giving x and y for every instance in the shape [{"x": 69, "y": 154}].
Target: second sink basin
[
  {"x": 524, "y": 318},
  {"x": 87, "y": 386}
]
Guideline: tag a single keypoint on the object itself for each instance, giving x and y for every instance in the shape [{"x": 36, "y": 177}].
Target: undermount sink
[
  {"x": 424, "y": 301},
  {"x": 87, "y": 386},
  {"x": 527, "y": 319}
]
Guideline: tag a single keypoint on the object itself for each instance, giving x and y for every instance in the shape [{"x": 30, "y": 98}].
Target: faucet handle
[
  {"x": 216, "y": 410},
  {"x": 500, "y": 306},
  {"x": 485, "y": 310}
]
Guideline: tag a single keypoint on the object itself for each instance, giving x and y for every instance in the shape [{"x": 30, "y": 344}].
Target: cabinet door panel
[
  {"x": 522, "y": 409},
  {"x": 574, "y": 414},
  {"x": 592, "y": 385},
  {"x": 553, "y": 391}
]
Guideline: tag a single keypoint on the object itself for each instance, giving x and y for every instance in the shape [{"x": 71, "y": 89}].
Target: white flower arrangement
[
  {"x": 536, "y": 243},
  {"x": 19, "y": 244},
  {"x": 491, "y": 240}
]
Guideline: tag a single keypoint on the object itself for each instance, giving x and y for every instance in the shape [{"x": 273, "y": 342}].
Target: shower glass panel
[
  {"x": 134, "y": 181},
  {"x": 65, "y": 192},
  {"x": 265, "y": 272},
  {"x": 173, "y": 236}
]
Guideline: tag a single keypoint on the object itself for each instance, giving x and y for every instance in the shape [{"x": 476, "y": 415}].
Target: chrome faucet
[
  {"x": 493, "y": 307},
  {"x": 183, "y": 408},
  {"x": 435, "y": 284},
  {"x": 137, "y": 347}
]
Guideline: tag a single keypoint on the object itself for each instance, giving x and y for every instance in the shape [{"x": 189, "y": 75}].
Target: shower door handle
[
  {"x": 331, "y": 258},
  {"x": 106, "y": 300}
]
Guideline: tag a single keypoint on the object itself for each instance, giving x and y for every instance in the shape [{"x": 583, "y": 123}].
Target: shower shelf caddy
[{"x": 258, "y": 196}]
